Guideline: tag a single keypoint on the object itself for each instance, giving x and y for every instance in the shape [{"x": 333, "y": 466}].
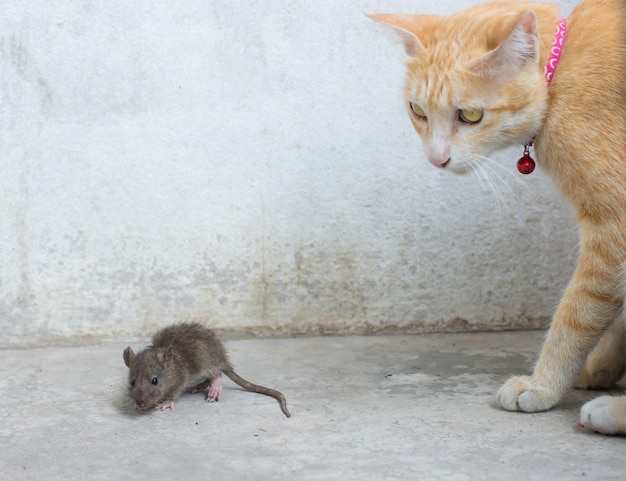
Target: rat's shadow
[{"x": 124, "y": 405}]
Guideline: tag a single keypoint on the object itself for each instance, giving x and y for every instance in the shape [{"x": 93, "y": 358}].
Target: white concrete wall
[{"x": 247, "y": 163}]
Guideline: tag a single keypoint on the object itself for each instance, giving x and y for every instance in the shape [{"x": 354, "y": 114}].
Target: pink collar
[
  {"x": 526, "y": 164},
  {"x": 555, "y": 50}
]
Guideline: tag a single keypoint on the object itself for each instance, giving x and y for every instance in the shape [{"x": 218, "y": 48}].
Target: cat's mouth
[
  {"x": 458, "y": 168},
  {"x": 455, "y": 166}
]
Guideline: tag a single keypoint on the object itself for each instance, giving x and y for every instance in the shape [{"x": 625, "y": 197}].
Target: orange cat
[{"x": 476, "y": 83}]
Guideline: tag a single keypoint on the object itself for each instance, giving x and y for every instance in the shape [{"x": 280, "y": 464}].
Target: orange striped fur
[{"x": 490, "y": 58}]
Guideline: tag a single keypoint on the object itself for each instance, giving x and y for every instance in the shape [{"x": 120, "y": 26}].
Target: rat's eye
[
  {"x": 132, "y": 382},
  {"x": 417, "y": 110},
  {"x": 155, "y": 381},
  {"x": 471, "y": 116}
]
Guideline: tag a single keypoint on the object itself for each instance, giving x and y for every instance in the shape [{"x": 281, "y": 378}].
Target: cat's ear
[
  {"x": 518, "y": 48},
  {"x": 411, "y": 28}
]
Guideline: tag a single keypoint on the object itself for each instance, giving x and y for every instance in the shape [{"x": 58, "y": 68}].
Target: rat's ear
[
  {"x": 169, "y": 355},
  {"x": 129, "y": 355},
  {"x": 165, "y": 356}
]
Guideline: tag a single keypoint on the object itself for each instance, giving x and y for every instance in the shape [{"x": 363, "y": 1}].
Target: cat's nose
[{"x": 440, "y": 162}]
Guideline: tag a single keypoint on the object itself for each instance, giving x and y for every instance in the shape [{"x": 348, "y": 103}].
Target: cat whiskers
[
  {"x": 495, "y": 176},
  {"x": 484, "y": 174},
  {"x": 508, "y": 172}
]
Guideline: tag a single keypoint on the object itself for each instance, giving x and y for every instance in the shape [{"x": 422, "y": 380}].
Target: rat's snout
[
  {"x": 143, "y": 396},
  {"x": 141, "y": 404}
]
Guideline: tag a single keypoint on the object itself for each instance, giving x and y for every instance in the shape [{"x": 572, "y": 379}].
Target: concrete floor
[{"x": 363, "y": 408}]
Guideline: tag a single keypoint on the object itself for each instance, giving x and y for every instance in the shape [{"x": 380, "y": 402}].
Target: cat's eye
[
  {"x": 471, "y": 116},
  {"x": 417, "y": 110},
  {"x": 155, "y": 381}
]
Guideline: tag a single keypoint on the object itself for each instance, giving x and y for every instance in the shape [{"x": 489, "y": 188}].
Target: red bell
[{"x": 526, "y": 164}]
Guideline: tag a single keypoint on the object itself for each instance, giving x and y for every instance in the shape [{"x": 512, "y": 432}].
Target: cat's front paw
[
  {"x": 520, "y": 393},
  {"x": 605, "y": 415}
]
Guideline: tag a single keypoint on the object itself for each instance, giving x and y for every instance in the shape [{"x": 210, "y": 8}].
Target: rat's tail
[{"x": 248, "y": 386}]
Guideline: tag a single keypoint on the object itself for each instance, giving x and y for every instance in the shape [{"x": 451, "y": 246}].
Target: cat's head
[{"x": 474, "y": 83}]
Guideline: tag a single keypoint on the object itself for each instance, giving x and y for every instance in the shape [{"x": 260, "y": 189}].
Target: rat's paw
[
  {"x": 604, "y": 415},
  {"x": 520, "y": 393},
  {"x": 215, "y": 389},
  {"x": 214, "y": 394},
  {"x": 164, "y": 405}
]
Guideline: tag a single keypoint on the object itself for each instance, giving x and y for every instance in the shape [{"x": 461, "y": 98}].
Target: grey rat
[{"x": 183, "y": 357}]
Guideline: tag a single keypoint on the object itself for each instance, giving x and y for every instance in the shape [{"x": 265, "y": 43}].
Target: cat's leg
[
  {"x": 606, "y": 364},
  {"x": 606, "y": 415},
  {"x": 590, "y": 304}
]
